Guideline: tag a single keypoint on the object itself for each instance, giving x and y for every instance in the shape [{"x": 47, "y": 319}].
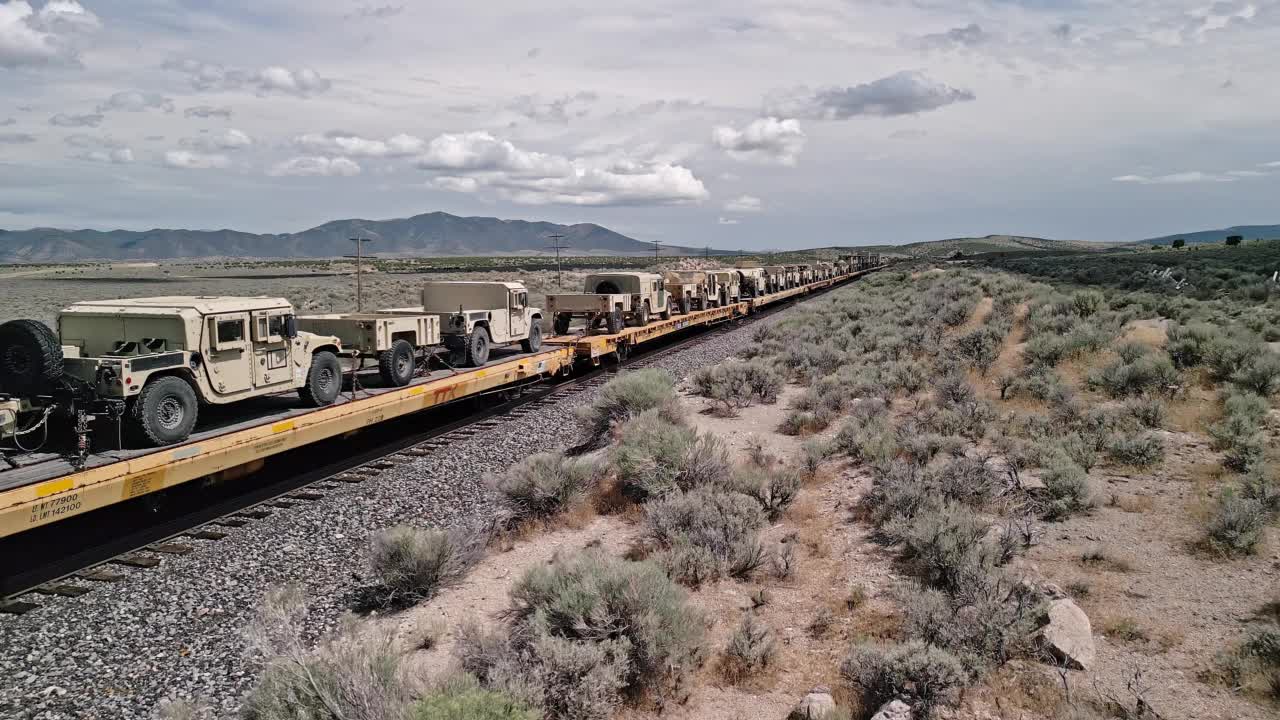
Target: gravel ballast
[{"x": 175, "y": 631}]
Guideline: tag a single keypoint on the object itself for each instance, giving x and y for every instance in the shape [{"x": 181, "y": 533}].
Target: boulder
[
  {"x": 817, "y": 705},
  {"x": 893, "y": 710},
  {"x": 1068, "y": 635}
]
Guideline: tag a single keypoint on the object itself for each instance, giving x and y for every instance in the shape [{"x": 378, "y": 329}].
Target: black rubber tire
[
  {"x": 613, "y": 322},
  {"x": 165, "y": 412},
  {"x": 684, "y": 306},
  {"x": 477, "y": 348},
  {"x": 534, "y": 342},
  {"x": 665, "y": 314},
  {"x": 562, "y": 321},
  {"x": 324, "y": 380},
  {"x": 397, "y": 364},
  {"x": 30, "y": 357},
  {"x": 642, "y": 315}
]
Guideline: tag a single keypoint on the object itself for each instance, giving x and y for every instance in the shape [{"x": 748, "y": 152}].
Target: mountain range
[
  {"x": 429, "y": 234},
  {"x": 1248, "y": 232}
]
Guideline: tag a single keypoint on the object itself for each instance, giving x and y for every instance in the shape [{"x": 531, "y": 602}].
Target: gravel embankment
[{"x": 175, "y": 631}]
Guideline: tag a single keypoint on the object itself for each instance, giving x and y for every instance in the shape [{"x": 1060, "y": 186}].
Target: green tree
[
  {"x": 1179, "y": 243},
  {"x": 1234, "y": 240}
]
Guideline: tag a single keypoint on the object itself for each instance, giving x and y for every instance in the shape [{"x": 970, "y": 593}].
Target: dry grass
[
  {"x": 1133, "y": 503},
  {"x": 814, "y": 527},
  {"x": 1100, "y": 558},
  {"x": 1192, "y": 411}
]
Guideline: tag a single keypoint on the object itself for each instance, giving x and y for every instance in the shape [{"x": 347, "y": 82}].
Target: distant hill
[
  {"x": 988, "y": 244},
  {"x": 430, "y": 234},
  {"x": 1249, "y": 232}
]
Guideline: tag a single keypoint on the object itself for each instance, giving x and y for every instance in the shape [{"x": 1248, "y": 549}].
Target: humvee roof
[
  {"x": 507, "y": 285},
  {"x": 203, "y": 304}
]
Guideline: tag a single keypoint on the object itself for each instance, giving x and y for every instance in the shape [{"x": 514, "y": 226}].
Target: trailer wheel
[
  {"x": 613, "y": 322},
  {"x": 30, "y": 357},
  {"x": 533, "y": 343},
  {"x": 324, "y": 380},
  {"x": 642, "y": 315},
  {"x": 164, "y": 412},
  {"x": 684, "y": 306},
  {"x": 396, "y": 364},
  {"x": 478, "y": 347},
  {"x": 562, "y": 323}
]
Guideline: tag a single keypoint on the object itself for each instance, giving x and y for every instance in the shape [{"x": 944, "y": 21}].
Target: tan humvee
[
  {"x": 165, "y": 356},
  {"x": 725, "y": 287},
  {"x": 611, "y": 299},
  {"x": 478, "y": 315},
  {"x": 690, "y": 290},
  {"x": 776, "y": 278},
  {"x": 753, "y": 281}
]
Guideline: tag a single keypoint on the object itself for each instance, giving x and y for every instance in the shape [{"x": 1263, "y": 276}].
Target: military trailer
[
  {"x": 159, "y": 359},
  {"x": 398, "y": 342},
  {"x": 689, "y": 290},
  {"x": 611, "y": 299}
]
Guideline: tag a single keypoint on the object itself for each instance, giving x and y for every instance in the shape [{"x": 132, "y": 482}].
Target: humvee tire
[
  {"x": 642, "y": 315},
  {"x": 533, "y": 343},
  {"x": 396, "y": 364},
  {"x": 30, "y": 357},
  {"x": 613, "y": 322},
  {"x": 684, "y": 306},
  {"x": 665, "y": 314},
  {"x": 478, "y": 347},
  {"x": 562, "y": 323},
  {"x": 164, "y": 412},
  {"x": 324, "y": 380}
]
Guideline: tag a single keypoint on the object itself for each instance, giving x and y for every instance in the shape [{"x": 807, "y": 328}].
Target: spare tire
[{"x": 30, "y": 358}]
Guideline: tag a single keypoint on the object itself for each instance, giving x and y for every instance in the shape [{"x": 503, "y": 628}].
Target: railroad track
[{"x": 83, "y": 552}]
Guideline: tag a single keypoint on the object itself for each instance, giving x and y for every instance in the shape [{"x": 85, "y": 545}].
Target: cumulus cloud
[
  {"x": 230, "y": 139},
  {"x": 17, "y": 138},
  {"x": 767, "y": 139},
  {"x": 135, "y": 101},
  {"x": 187, "y": 160},
  {"x": 338, "y": 142},
  {"x": 49, "y": 37},
  {"x": 744, "y": 204},
  {"x": 904, "y": 93},
  {"x": 314, "y": 165},
  {"x": 204, "y": 76},
  {"x": 559, "y": 110},
  {"x": 967, "y": 36},
  {"x": 65, "y": 120},
  {"x": 207, "y": 111},
  {"x": 119, "y": 156},
  {"x": 470, "y": 162},
  {"x": 1182, "y": 178}
]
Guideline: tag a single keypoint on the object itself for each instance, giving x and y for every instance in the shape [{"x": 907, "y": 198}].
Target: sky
[{"x": 736, "y": 124}]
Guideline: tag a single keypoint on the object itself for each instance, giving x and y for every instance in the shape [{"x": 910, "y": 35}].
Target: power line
[
  {"x": 555, "y": 239},
  {"x": 656, "y": 249},
  {"x": 360, "y": 258}
]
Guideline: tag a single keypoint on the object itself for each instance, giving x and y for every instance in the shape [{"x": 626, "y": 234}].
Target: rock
[
  {"x": 818, "y": 704},
  {"x": 1068, "y": 635},
  {"x": 893, "y": 710}
]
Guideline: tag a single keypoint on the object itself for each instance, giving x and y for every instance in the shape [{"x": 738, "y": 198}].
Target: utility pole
[
  {"x": 359, "y": 257},
  {"x": 706, "y": 253},
  {"x": 555, "y": 239},
  {"x": 656, "y": 247}
]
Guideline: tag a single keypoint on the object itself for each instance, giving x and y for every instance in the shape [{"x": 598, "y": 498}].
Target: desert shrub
[
  {"x": 782, "y": 562},
  {"x": 984, "y": 630},
  {"x": 544, "y": 484},
  {"x": 1147, "y": 374},
  {"x": 590, "y": 598},
  {"x": 966, "y": 480},
  {"x": 749, "y": 651},
  {"x": 1088, "y": 303},
  {"x": 980, "y": 347},
  {"x": 1041, "y": 383},
  {"x": 956, "y": 313},
  {"x": 653, "y": 457},
  {"x": 562, "y": 678},
  {"x": 1235, "y": 528},
  {"x": 735, "y": 385},
  {"x": 412, "y": 563},
  {"x": 1129, "y": 351},
  {"x": 354, "y": 672},
  {"x": 721, "y": 524},
  {"x": 1079, "y": 449},
  {"x": 462, "y": 698},
  {"x": 775, "y": 488},
  {"x": 924, "y": 676},
  {"x": 806, "y": 422},
  {"x": 1045, "y": 350},
  {"x": 1148, "y": 411},
  {"x": 626, "y": 397},
  {"x": 909, "y": 376},
  {"x": 1259, "y": 374},
  {"x": 813, "y": 453},
  {"x": 1067, "y": 488},
  {"x": 1143, "y": 450},
  {"x": 1247, "y": 405},
  {"x": 1187, "y": 344},
  {"x": 947, "y": 546},
  {"x": 1260, "y": 483},
  {"x": 1227, "y": 355}
]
